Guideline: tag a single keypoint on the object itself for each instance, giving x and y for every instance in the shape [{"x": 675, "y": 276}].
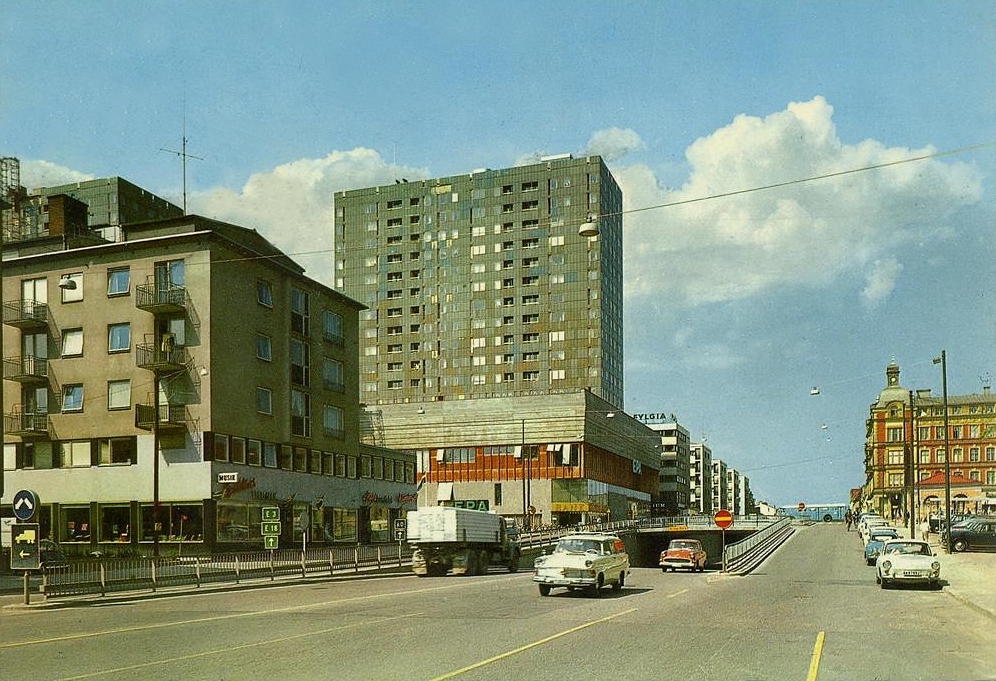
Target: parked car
[
  {"x": 875, "y": 542},
  {"x": 51, "y": 554},
  {"x": 908, "y": 561},
  {"x": 870, "y": 526},
  {"x": 978, "y": 533},
  {"x": 684, "y": 553},
  {"x": 583, "y": 561}
]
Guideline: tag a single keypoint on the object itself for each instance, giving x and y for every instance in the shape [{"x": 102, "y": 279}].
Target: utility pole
[{"x": 943, "y": 361}]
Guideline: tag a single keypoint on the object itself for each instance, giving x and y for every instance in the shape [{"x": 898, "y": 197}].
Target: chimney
[{"x": 985, "y": 390}]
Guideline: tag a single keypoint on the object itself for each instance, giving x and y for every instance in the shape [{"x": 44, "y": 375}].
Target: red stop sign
[{"x": 723, "y": 519}]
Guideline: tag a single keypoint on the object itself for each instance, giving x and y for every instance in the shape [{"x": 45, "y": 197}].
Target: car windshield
[
  {"x": 687, "y": 545},
  {"x": 577, "y": 545},
  {"x": 909, "y": 549}
]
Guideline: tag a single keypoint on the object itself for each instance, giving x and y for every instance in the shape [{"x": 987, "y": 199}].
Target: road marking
[
  {"x": 814, "y": 664},
  {"x": 269, "y": 611},
  {"x": 482, "y": 663},
  {"x": 218, "y": 651},
  {"x": 676, "y": 593}
]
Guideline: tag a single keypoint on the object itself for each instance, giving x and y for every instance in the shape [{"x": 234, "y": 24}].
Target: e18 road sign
[{"x": 270, "y": 529}]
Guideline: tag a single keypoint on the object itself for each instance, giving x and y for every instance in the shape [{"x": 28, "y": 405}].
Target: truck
[{"x": 463, "y": 541}]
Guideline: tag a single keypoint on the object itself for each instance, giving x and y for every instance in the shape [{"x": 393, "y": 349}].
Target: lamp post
[
  {"x": 155, "y": 464},
  {"x": 943, "y": 361},
  {"x": 910, "y": 474}
]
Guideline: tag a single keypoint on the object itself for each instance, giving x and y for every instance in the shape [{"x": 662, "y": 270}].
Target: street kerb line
[
  {"x": 520, "y": 649},
  {"x": 814, "y": 663},
  {"x": 228, "y": 649},
  {"x": 253, "y": 613},
  {"x": 677, "y": 593}
]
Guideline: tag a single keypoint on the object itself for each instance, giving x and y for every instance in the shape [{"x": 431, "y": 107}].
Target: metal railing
[
  {"x": 100, "y": 576},
  {"x": 548, "y": 535},
  {"x": 757, "y": 545}
]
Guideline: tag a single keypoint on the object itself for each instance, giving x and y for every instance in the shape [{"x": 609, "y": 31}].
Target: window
[
  {"x": 332, "y": 378},
  {"x": 556, "y": 241},
  {"x": 119, "y": 394},
  {"x": 300, "y": 361},
  {"x": 116, "y": 451},
  {"x": 300, "y": 413},
  {"x": 530, "y": 338},
  {"x": 530, "y": 186},
  {"x": 530, "y": 300},
  {"x": 264, "y": 293},
  {"x": 973, "y": 454},
  {"x": 75, "y": 453},
  {"x": 269, "y": 455},
  {"x": 238, "y": 449},
  {"x": 530, "y": 375},
  {"x": 990, "y": 453},
  {"x": 118, "y": 281},
  {"x": 220, "y": 447},
  {"x": 72, "y": 290},
  {"x": 530, "y": 243},
  {"x": 894, "y": 434},
  {"x": 315, "y": 462},
  {"x": 333, "y": 422},
  {"x": 263, "y": 349},
  {"x": 254, "y": 453},
  {"x": 264, "y": 400},
  {"x": 530, "y": 205},
  {"x": 895, "y": 456},
  {"x": 72, "y": 397},
  {"x": 301, "y": 459},
  {"x": 332, "y": 326},
  {"x": 72, "y": 343},
  {"x": 119, "y": 337},
  {"x": 300, "y": 310}
]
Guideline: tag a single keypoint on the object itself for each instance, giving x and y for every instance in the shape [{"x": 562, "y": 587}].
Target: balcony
[
  {"x": 161, "y": 299},
  {"x": 25, "y": 424},
  {"x": 172, "y": 417},
  {"x": 161, "y": 357},
  {"x": 26, "y": 369},
  {"x": 25, "y": 314}
]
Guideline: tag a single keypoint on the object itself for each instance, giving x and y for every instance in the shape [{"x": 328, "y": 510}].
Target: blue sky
[{"x": 735, "y": 308}]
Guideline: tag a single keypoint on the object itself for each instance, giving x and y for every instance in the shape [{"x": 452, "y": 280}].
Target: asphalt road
[{"x": 812, "y": 611}]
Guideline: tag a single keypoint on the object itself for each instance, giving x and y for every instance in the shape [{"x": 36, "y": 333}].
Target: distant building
[
  {"x": 700, "y": 478},
  {"x": 734, "y": 491},
  {"x": 895, "y": 431},
  {"x": 720, "y": 490},
  {"x": 675, "y": 492}
]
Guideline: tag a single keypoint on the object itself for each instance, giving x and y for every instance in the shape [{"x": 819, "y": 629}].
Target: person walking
[{"x": 847, "y": 519}]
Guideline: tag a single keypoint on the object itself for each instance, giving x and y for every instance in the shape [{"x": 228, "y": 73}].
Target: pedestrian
[{"x": 847, "y": 519}]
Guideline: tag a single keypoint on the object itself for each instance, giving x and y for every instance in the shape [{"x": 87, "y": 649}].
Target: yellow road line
[
  {"x": 227, "y": 649},
  {"x": 252, "y": 613},
  {"x": 482, "y": 663},
  {"x": 676, "y": 593},
  {"x": 814, "y": 664}
]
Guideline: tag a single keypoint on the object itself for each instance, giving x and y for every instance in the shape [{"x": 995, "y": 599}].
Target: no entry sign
[{"x": 723, "y": 519}]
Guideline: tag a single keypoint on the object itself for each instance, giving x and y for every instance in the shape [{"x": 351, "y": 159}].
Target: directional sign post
[
  {"x": 25, "y": 553},
  {"x": 25, "y": 503},
  {"x": 723, "y": 519},
  {"x": 270, "y": 527}
]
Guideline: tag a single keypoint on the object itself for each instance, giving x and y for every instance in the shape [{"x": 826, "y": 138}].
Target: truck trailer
[{"x": 460, "y": 540}]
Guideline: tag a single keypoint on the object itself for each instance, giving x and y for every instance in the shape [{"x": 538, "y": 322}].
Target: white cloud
[
  {"x": 38, "y": 173},
  {"x": 806, "y": 234},
  {"x": 291, "y": 205},
  {"x": 881, "y": 281},
  {"x": 613, "y": 144}
]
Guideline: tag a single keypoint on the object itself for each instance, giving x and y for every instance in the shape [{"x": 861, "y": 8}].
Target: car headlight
[
  {"x": 886, "y": 565},
  {"x": 588, "y": 563},
  {"x": 539, "y": 561},
  {"x": 935, "y": 566}
]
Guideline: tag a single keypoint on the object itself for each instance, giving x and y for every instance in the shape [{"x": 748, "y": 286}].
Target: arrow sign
[
  {"x": 23, "y": 554},
  {"x": 25, "y": 503}
]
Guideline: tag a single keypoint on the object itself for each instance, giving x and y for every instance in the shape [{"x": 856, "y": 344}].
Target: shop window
[
  {"x": 115, "y": 524},
  {"x": 75, "y": 527},
  {"x": 343, "y": 523},
  {"x": 232, "y": 523}
]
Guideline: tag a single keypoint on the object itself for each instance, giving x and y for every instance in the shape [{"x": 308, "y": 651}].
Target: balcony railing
[
  {"x": 172, "y": 417},
  {"x": 26, "y": 369},
  {"x": 25, "y": 424},
  {"x": 25, "y": 314},
  {"x": 160, "y": 357},
  {"x": 159, "y": 299}
]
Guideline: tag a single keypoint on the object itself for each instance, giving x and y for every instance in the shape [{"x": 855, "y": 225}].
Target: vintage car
[
  {"x": 684, "y": 553},
  {"x": 906, "y": 561},
  {"x": 583, "y": 561},
  {"x": 876, "y": 540},
  {"x": 974, "y": 533}
]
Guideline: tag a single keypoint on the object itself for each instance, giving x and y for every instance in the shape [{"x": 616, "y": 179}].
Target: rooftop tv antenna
[{"x": 183, "y": 156}]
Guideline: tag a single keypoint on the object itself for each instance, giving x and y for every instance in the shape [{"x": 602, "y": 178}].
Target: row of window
[
  {"x": 44, "y": 455},
  {"x": 250, "y": 452},
  {"x": 898, "y": 479},
  {"x": 300, "y": 308}
]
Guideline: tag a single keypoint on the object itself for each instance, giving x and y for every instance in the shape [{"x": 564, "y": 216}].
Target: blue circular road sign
[{"x": 25, "y": 504}]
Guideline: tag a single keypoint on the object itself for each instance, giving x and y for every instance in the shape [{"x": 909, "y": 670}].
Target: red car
[{"x": 684, "y": 553}]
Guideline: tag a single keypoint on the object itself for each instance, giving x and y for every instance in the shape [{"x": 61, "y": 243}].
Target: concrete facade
[{"x": 700, "y": 478}]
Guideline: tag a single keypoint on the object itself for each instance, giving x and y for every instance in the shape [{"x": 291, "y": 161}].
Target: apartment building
[
  {"x": 191, "y": 363},
  {"x": 700, "y": 478},
  {"x": 905, "y": 445},
  {"x": 479, "y": 285},
  {"x": 733, "y": 492},
  {"x": 674, "y": 493},
  {"x": 720, "y": 491}
]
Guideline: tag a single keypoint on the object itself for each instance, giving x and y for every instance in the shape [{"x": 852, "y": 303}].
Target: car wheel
[
  {"x": 960, "y": 545},
  {"x": 664, "y": 570},
  {"x": 544, "y": 589},
  {"x": 878, "y": 580},
  {"x": 621, "y": 583},
  {"x": 885, "y": 584},
  {"x": 595, "y": 590},
  {"x": 869, "y": 561}
]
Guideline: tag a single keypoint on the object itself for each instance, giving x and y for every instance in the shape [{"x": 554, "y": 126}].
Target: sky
[{"x": 735, "y": 307}]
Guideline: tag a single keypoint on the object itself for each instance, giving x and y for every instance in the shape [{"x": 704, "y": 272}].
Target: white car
[
  {"x": 907, "y": 561},
  {"x": 870, "y": 526},
  {"x": 583, "y": 561}
]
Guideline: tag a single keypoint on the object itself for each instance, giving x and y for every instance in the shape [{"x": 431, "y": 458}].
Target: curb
[{"x": 965, "y": 600}]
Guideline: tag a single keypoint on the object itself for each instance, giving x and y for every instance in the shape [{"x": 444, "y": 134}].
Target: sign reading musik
[{"x": 660, "y": 417}]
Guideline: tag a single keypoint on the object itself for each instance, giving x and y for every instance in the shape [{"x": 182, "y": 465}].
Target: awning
[{"x": 444, "y": 492}]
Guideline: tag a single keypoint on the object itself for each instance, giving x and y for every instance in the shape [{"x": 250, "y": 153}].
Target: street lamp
[{"x": 943, "y": 361}]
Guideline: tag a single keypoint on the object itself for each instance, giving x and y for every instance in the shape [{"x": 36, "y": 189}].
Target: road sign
[
  {"x": 270, "y": 542},
  {"x": 723, "y": 519},
  {"x": 400, "y": 524},
  {"x": 25, "y": 553},
  {"x": 271, "y": 513},
  {"x": 802, "y": 506},
  {"x": 25, "y": 503},
  {"x": 270, "y": 528},
  {"x": 399, "y": 535}
]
